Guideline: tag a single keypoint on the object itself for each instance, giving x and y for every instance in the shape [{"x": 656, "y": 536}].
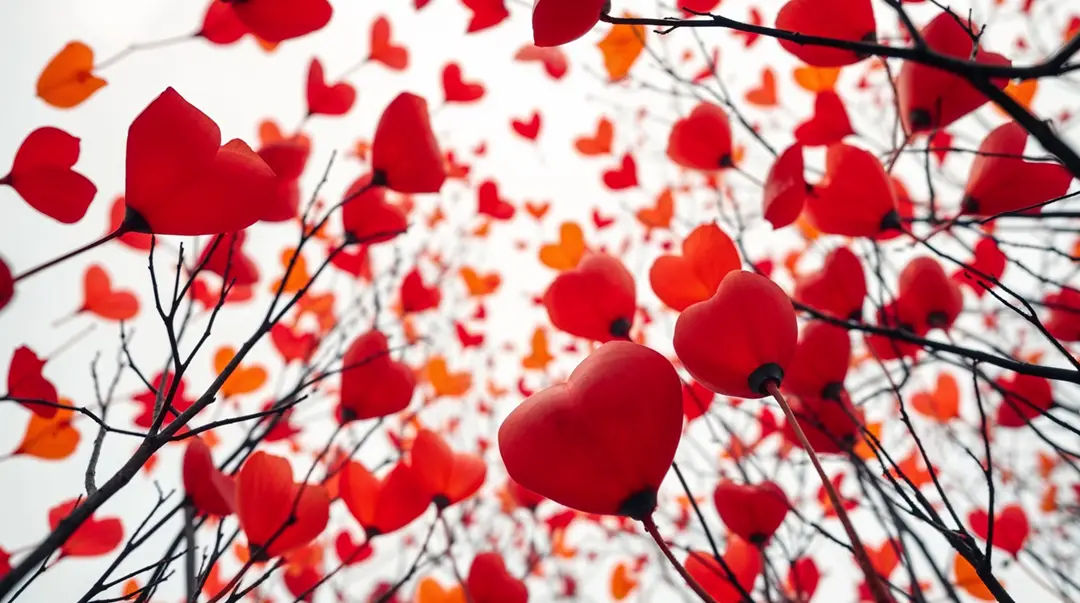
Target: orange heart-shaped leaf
[
  {"x": 68, "y": 79},
  {"x": 53, "y": 439},
  {"x": 243, "y": 380},
  {"x": 568, "y": 251}
]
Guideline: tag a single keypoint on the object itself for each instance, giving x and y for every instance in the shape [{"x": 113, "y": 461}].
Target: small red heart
[
  {"x": 931, "y": 99},
  {"x": 489, "y": 203},
  {"x": 456, "y": 90},
  {"x": 94, "y": 537},
  {"x": 450, "y": 476},
  {"x": 600, "y": 221},
  {"x": 786, "y": 188},
  {"x": 367, "y": 217},
  {"x": 553, "y": 59},
  {"x": 101, "y": 299},
  {"x": 829, "y": 124},
  {"x": 323, "y": 99},
  {"x": 831, "y": 426},
  {"x": 752, "y": 511},
  {"x": 926, "y": 298},
  {"x": 821, "y": 361},
  {"x": 372, "y": 383},
  {"x": 349, "y": 552},
  {"x": 276, "y": 513},
  {"x": 416, "y": 296},
  {"x": 856, "y": 198},
  {"x": 291, "y": 344},
  {"x": 1024, "y": 398},
  {"x": 701, "y": 140},
  {"x": 528, "y": 129},
  {"x": 302, "y": 579},
  {"x": 755, "y": 320},
  {"x": 287, "y": 157},
  {"x": 26, "y": 381},
  {"x": 708, "y": 254},
  {"x": 1001, "y": 180},
  {"x": 603, "y": 441},
  {"x": 227, "y": 260},
  {"x": 1011, "y": 528},
  {"x": 394, "y": 56},
  {"x": 490, "y": 582},
  {"x": 209, "y": 490},
  {"x": 485, "y": 14},
  {"x": 467, "y": 339},
  {"x": 839, "y": 288},
  {"x": 595, "y": 300},
  {"x": 989, "y": 260},
  {"x": 404, "y": 153},
  {"x": 696, "y": 399},
  {"x": 42, "y": 175},
  {"x": 383, "y": 505},
  {"x": 555, "y": 23},
  {"x": 355, "y": 262},
  {"x": 851, "y": 20},
  {"x": 624, "y": 176}
]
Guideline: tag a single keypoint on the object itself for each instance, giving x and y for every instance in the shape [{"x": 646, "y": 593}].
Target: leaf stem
[
  {"x": 650, "y": 527},
  {"x": 877, "y": 588}
]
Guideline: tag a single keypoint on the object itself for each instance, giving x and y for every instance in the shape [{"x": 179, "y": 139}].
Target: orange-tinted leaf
[
  {"x": 101, "y": 299},
  {"x": 243, "y": 380},
  {"x": 480, "y": 285},
  {"x": 885, "y": 558},
  {"x": 537, "y": 210},
  {"x": 764, "y": 94},
  {"x": 1022, "y": 91},
  {"x": 568, "y": 251},
  {"x": 430, "y": 591},
  {"x": 450, "y": 477},
  {"x": 708, "y": 254},
  {"x": 968, "y": 579},
  {"x": 443, "y": 381},
  {"x": 600, "y": 142},
  {"x": 383, "y": 505},
  {"x": 913, "y": 469},
  {"x": 658, "y": 216},
  {"x": 863, "y": 448},
  {"x": 816, "y": 79},
  {"x": 621, "y": 47},
  {"x": 622, "y": 582},
  {"x": 297, "y": 277},
  {"x": 941, "y": 405},
  {"x": 52, "y": 438},
  {"x": 539, "y": 356},
  {"x": 68, "y": 79}
]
